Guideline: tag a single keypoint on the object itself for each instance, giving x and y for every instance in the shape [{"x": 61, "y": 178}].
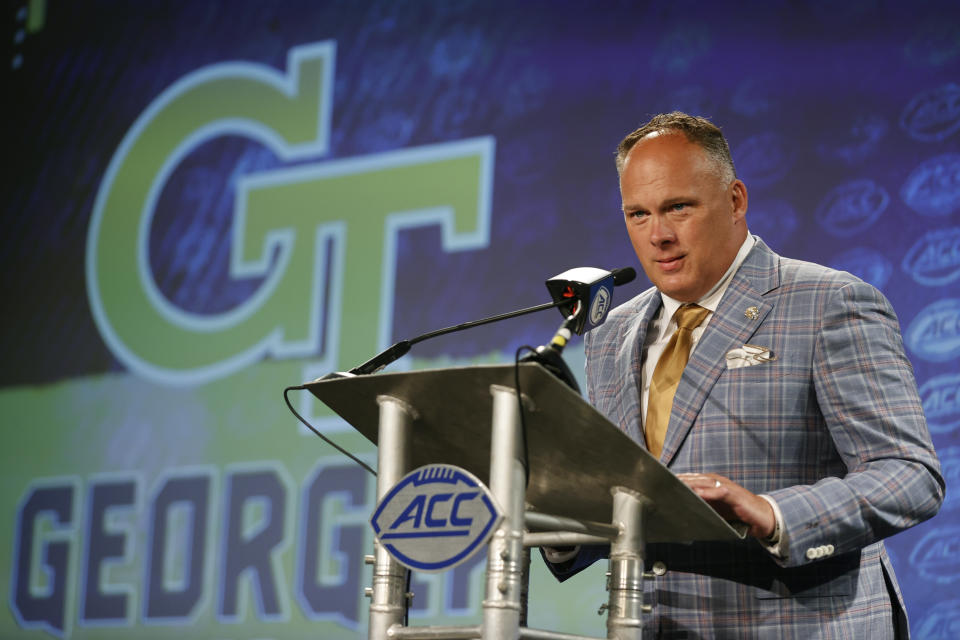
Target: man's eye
[
  {"x": 636, "y": 214},
  {"x": 679, "y": 206}
]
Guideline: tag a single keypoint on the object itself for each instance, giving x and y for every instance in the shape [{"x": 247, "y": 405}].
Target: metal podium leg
[
  {"x": 625, "y": 609},
  {"x": 389, "y": 593},
  {"x": 503, "y": 602}
]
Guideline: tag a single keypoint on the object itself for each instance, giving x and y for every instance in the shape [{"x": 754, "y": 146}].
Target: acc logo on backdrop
[
  {"x": 852, "y": 207},
  {"x": 763, "y": 159},
  {"x": 934, "y": 334},
  {"x": 858, "y": 141},
  {"x": 436, "y": 517},
  {"x": 933, "y": 115},
  {"x": 773, "y": 220},
  {"x": 950, "y": 468},
  {"x": 941, "y": 403},
  {"x": 934, "y": 259},
  {"x": 933, "y": 188},
  {"x": 866, "y": 264},
  {"x": 937, "y": 555},
  {"x": 942, "y": 622}
]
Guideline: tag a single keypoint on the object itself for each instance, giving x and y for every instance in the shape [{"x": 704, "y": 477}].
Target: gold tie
[{"x": 666, "y": 376}]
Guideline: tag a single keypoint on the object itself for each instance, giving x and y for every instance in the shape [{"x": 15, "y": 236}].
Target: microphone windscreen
[{"x": 623, "y": 276}]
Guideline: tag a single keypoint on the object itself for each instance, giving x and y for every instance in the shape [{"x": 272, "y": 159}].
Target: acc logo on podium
[{"x": 436, "y": 517}]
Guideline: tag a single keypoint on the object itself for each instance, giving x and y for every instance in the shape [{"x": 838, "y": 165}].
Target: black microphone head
[{"x": 623, "y": 275}]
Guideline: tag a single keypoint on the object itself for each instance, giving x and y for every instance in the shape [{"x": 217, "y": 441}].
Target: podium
[{"x": 587, "y": 483}]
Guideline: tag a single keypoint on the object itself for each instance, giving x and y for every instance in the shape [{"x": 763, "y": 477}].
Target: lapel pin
[{"x": 752, "y": 312}]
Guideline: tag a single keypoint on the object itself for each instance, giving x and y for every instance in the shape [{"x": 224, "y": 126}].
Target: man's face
[{"x": 686, "y": 223}]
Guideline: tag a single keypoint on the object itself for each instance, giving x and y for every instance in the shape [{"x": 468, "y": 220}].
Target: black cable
[
  {"x": 333, "y": 444},
  {"x": 523, "y": 422},
  {"x": 406, "y": 601}
]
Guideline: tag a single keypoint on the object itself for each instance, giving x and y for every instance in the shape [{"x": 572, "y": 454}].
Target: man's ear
[{"x": 738, "y": 198}]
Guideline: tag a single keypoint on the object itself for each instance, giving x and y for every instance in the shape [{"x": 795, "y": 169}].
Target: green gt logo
[{"x": 351, "y": 207}]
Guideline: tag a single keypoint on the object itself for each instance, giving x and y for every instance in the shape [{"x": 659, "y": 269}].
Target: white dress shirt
[{"x": 663, "y": 325}]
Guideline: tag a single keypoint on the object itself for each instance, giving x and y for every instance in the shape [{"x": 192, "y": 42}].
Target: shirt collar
[{"x": 711, "y": 299}]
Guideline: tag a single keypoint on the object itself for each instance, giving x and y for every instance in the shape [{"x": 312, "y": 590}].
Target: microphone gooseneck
[
  {"x": 582, "y": 294},
  {"x": 400, "y": 349}
]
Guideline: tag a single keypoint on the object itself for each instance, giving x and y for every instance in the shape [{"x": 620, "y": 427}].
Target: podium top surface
[{"x": 576, "y": 455}]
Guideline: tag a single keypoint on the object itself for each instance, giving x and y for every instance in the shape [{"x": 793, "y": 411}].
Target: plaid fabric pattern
[{"x": 833, "y": 429}]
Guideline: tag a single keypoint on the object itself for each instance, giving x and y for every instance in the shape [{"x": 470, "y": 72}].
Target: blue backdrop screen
[{"x": 209, "y": 201}]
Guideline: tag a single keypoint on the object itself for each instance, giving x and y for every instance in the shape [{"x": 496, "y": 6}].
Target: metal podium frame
[{"x": 612, "y": 492}]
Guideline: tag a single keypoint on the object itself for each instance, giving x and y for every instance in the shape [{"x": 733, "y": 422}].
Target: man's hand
[{"x": 733, "y": 502}]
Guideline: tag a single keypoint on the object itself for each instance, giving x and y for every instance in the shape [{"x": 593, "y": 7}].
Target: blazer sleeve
[
  {"x": 868, "y": 397},
  {"x": 586, "y": 554}
]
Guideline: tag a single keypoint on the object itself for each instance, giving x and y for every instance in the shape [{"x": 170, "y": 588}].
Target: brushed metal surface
[{"x": 576, "y": 455}]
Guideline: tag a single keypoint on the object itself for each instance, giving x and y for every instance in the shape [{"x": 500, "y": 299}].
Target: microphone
[
  {"x": 586, "y": 294},
  {"x": 587, "y": 287}
]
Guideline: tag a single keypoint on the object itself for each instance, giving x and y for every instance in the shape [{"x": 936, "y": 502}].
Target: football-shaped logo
[
  {"x": 436, "y": 517},
  {"x": 600, "y": 306}
]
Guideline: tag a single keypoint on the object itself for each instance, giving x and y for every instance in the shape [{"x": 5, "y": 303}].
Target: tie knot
[{"x": 689, "y": 316}]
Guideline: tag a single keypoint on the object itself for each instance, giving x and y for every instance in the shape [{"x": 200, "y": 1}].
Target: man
[{"x": 784, "y": 400}]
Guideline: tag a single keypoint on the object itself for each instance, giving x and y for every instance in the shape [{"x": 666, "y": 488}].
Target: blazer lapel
[
  {"x": 629, "y": 363},
  {"x": 728, "y": 328}
]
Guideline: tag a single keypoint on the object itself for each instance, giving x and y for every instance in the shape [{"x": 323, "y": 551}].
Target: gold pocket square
[{"x": 749, "y": 355}]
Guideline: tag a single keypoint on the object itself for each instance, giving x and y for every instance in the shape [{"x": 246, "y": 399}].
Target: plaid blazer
[{"x": 832, "y": 429}]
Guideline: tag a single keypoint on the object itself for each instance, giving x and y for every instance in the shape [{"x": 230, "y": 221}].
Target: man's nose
[{"x": 661, "y": 231}]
